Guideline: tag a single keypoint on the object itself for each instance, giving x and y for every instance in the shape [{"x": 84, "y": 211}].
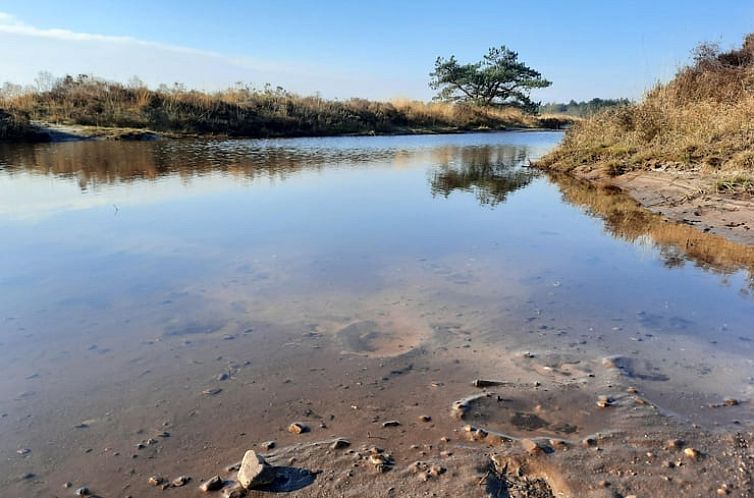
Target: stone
[
  {"x": 604, "y": 401},
  {"x": 487, "y": 383},
  {"x": 425, "y": 418},
  {"x": 212, "y": 391},
  {"x": 532, "y": 447},
  {"x": 236, "y": 491},
  {"x": 691, "y": 453},
  {"x": 674, "y": 444},
  {"x": 340, "y": 443},
  {"x": 589, "y": 441},
  {"x": 459, "y": 409},
  {"x": 268, "y": 445},
  {"x": 391, "y": 423},
  {"x": 180, "y": 481},
  {"x": 155, "y": 480},
  {"x": 23, "y": 451},
  {"x": 255, "y": 471},
  {"x": 436, "y": 470},
  {"x": 559, "y": 443},
  {"x": 297, "y": 428},
  {"x": 382, "y": 461},
  {"x": 83, "y": 491},
  {"x": 212, "y": 484}
]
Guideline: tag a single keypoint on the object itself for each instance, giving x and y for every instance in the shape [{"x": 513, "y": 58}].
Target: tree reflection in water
[{"x": 490, "y": 172}]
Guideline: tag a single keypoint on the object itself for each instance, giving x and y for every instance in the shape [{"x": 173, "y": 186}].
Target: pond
[{"x": 151, "y": 286}]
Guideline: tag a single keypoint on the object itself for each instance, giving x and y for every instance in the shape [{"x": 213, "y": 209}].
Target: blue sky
[{"x": 371, "y": 49}]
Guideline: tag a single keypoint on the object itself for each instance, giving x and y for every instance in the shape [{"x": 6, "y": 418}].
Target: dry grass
[
  {"x": 701, "y": 120},
  {"x": 246, "y": 111}
]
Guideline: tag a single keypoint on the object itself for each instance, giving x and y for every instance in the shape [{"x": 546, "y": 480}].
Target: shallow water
[{"x": 123, "y": 266}]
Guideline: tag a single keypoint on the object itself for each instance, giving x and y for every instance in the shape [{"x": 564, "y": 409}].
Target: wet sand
[
  {"x": 685, "y": 197},
  {"x": 580, "y": 394},
  {"x": 160, "y": 418}
]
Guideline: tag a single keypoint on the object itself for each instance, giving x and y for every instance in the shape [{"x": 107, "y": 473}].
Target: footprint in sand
[{"x": 381, "y": 338}]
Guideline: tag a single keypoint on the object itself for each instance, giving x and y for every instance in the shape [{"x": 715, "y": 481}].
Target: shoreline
[
  {"x": 42, "y": 132},
  {"x": 683, "y": 197}
]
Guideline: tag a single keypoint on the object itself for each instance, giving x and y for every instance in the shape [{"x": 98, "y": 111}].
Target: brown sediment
[{"x": 165, "y": 426}]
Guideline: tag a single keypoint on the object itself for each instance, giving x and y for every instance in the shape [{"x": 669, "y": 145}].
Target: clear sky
[{"x": 378, "y": 49}]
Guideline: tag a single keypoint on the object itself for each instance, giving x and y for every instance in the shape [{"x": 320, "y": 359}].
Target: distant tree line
[{"x": 583, "y": 108}]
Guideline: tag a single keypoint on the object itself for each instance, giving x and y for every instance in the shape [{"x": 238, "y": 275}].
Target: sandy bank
[{"x": 685, "y": 197}]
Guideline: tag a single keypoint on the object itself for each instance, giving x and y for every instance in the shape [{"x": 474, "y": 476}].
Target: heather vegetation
[
  {"x": 242, "y": 111},
  {"x": 700, "y": 121}
]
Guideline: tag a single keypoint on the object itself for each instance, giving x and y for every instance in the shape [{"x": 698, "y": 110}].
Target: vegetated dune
[
  {"x": 700, "y": 121},
  {"x": 240, "y": 111},
  {"x": 685, "y": 151}
]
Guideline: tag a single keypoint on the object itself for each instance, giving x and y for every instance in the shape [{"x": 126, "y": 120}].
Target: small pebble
[
  {"x": 604, "y": 401},
  {"x": 297, "y": 428},
  {"x": 674, "y": 444},
  {"x": 155, "y": 480},
  {"x": 180, "y": 481},
  {"x": 691, "y": 453},
  {"x": 212, "y": 484}
]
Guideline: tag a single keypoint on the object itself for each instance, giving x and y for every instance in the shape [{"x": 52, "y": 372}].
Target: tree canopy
[{"x": 499, "y": 79}]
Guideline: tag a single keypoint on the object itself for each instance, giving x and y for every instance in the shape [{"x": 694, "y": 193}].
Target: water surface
[{"x": 112, "y": 250}]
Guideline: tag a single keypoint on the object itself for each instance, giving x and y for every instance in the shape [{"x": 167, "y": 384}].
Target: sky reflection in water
[{"x": 141, "y": 239}]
